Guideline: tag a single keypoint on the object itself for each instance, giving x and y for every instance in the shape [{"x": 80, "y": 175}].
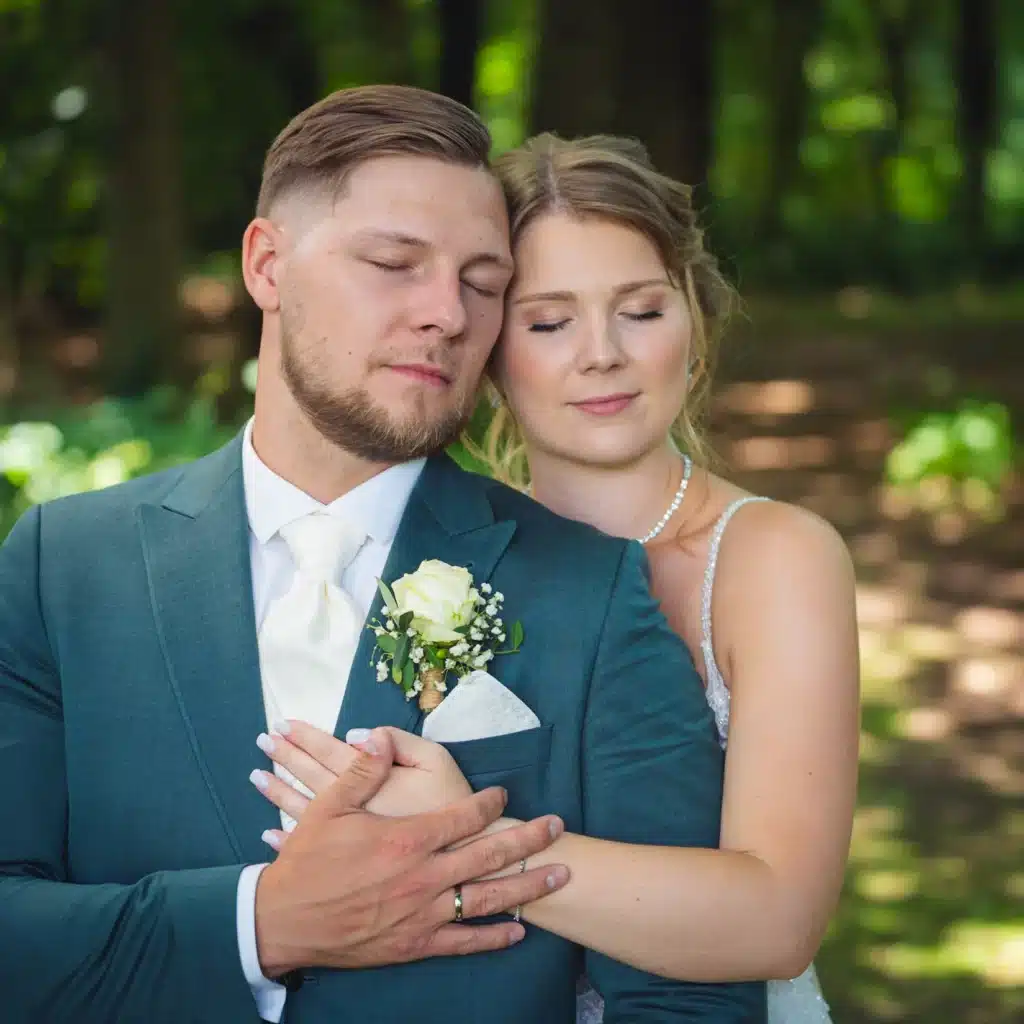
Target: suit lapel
[
  {"x": 196, "y": 548},
  {"x": 448, "y": 518}
]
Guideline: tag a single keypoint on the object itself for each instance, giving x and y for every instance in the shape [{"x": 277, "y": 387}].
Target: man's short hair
[{"x": 324, "y": 143}]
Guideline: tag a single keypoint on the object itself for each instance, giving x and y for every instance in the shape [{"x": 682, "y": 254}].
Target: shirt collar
[{"x": 377, "y": 505}]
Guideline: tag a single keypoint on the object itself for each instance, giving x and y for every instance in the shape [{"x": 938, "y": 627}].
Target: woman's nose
[{"x": 602, "y": 349}]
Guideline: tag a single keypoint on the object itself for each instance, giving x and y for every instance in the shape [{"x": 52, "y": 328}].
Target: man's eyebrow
[
  {"x": 398, "y": 237},
  {"x": 623, "y": 289},
  {"x": 401, "y": 238}
]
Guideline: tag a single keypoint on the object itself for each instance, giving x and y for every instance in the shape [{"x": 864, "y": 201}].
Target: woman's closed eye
[{"x": 548, "y": 326}]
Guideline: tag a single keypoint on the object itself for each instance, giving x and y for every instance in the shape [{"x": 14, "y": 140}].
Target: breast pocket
[{"x": 518, "y": 761}]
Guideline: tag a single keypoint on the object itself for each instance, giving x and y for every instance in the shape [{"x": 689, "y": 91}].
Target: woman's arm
[
  {"x": 786, "y": 637},
  {"x": 785, "y": 630}
]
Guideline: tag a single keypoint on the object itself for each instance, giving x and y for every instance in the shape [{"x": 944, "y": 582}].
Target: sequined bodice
[{"x": 798, "y": 1001}]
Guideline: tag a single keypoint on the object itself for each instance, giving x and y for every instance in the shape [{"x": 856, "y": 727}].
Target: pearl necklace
[{"x": 676, "y": 502}]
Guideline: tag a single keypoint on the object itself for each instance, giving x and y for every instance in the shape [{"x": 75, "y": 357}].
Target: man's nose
[{"x": 443, "y": 309}]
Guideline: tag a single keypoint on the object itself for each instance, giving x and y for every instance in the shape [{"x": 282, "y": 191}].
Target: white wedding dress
[{"x": 798, "y": 1001}]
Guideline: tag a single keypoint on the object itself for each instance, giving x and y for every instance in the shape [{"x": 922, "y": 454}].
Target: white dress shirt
[{"x": 270, "y": 503}]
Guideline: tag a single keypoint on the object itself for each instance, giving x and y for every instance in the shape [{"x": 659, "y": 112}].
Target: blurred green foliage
[
  {"x": 104, "y": 444},
  {"x": 872, "y": 196},
  {"x": 973, "y": 442}
]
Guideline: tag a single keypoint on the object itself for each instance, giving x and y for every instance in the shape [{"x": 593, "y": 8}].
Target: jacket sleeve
[
  {"x": 163, "y": 949},
  {"x": 652, "y": 774}
]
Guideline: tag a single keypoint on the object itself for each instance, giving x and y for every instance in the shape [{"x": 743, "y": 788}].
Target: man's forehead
[
  {"x": 436, "y": 205},
  {"x": 415, "y": 179}
]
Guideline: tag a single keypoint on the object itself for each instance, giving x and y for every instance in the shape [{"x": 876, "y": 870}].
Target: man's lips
[
  {"x": 422, "y": 372},
  {"x": 607, "y": 405}
]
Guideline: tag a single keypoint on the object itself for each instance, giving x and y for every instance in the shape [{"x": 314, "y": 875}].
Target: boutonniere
[{"x": 438, "y": 624}]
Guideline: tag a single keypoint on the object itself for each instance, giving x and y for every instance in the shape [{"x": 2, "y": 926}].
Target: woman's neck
[{"x": 624, "y": 501}]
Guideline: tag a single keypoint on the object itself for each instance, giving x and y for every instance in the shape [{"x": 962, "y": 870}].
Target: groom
[{"x": 148, "y": 632}]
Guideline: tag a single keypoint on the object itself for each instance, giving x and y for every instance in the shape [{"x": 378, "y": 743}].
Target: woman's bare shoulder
[
  {"x": 784, "y": 577},
  {"x": 773, "y": 540}
]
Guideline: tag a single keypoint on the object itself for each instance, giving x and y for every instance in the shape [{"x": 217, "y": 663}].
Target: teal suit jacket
[{"x": 130, "y": 702}]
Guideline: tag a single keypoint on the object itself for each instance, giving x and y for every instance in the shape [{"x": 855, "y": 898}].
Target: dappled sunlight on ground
[{"x": 930, "y": 928}]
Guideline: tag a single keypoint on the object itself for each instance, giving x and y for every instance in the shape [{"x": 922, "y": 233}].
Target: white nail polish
[
  {"x": 271, "y": 840},
  {"x": 259, "y": 780},
  {"x": 357, "y": 735},
  {"x": 265, "y": 743}
]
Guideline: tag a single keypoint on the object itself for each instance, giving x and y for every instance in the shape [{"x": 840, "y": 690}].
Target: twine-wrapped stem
[{"x": 431, "y": 696}]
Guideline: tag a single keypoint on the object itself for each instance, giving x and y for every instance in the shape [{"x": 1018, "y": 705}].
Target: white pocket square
[{"x": 477, "y": 708}]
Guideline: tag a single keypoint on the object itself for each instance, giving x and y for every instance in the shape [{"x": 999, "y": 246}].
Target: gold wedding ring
[{"x": 458, "y": 903}]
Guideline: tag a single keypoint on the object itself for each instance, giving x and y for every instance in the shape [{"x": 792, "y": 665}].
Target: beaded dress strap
[{"x": 709, "y": 579}]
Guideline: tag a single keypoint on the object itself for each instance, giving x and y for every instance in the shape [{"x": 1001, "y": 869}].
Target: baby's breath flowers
[{"x": 438, "y": 625}]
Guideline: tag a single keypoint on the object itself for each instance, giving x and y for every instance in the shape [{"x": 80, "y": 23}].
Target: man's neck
[{"x": 288, "y": 444}]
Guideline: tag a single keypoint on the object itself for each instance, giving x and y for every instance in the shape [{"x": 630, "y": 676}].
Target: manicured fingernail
[
  {"x": 271, "y": 840},
  {"x": 362, "y": 738},
  {"x": 265, "y": 743},
  {"x": 557, "y": 877},
  {"x": 260, "y": 780},
  {"x": 556, "y": 827},
  {"x": 281, "y": 728},
  {"x": 516, "y": 934}
]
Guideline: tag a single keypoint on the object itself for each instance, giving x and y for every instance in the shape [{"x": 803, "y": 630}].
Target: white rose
[{"x": 441, "y": 598}]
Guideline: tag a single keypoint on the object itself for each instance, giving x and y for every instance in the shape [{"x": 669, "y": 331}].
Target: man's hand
[{"x": 352, "y": 889}]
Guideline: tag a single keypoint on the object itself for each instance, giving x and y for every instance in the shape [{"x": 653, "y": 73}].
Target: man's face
[{"x": 390, "y": 301}]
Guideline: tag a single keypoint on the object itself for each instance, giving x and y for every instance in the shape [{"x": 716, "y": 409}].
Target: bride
[{"x": 600, "y": 379}]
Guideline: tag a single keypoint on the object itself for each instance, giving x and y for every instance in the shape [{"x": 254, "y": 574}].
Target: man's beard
[{"x": 351, "y": 421}]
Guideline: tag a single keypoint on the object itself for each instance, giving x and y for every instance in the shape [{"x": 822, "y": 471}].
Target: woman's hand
[{"x": 425, "y": 776}]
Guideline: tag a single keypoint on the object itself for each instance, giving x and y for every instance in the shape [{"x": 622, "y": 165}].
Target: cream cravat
[{"x": 310, "y": 633}]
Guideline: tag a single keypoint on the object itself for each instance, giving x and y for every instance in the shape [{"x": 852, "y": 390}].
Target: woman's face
[{"x": 594, "y": 351}]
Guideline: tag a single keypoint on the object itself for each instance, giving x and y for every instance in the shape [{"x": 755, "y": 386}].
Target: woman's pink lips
[
  {"x": 426, "y": 374},
  {"x": 607, "y": 406}
]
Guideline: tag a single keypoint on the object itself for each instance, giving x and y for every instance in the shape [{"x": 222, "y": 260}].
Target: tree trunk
[
  {"x": 977, "y": 111},
  {"x": 895, "y": 34},
  {"x": 9, "y": 353},
  {"x": 643, "y": 68},
  {"x": 795, "y": 28},
  {"x": 574, "y": 79},
  {"x": 143, "y": 339},
  {"x": 897, "y": 29},
  {"x": 665, "y": 82},
  {"x": 460, "y": 24}
]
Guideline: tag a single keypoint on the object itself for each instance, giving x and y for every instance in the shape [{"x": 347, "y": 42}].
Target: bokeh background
[{"x": 860, "y": 165}]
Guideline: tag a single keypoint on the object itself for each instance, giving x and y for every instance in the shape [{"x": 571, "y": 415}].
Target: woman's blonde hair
[{"x": 612, "y": 178}]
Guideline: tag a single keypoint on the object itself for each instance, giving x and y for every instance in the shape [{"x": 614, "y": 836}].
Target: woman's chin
[{"x": 613, "y": 453}]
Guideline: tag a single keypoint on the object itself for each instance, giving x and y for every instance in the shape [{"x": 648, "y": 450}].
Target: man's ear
[{"x": 261, "y": 245}]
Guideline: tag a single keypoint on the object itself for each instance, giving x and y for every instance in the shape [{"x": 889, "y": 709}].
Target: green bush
[{"x": 105, "y": 444}]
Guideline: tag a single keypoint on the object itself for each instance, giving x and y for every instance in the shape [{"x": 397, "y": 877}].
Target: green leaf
[
  {"x": 408, "y": 676},
  {"x": 387, "y": 643},
  {"x": 405, "y": 621},
  {"x": 389, "y": 598},
  {"x": 517, "y": 635},
  {"x": 401, "y": 652}
]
